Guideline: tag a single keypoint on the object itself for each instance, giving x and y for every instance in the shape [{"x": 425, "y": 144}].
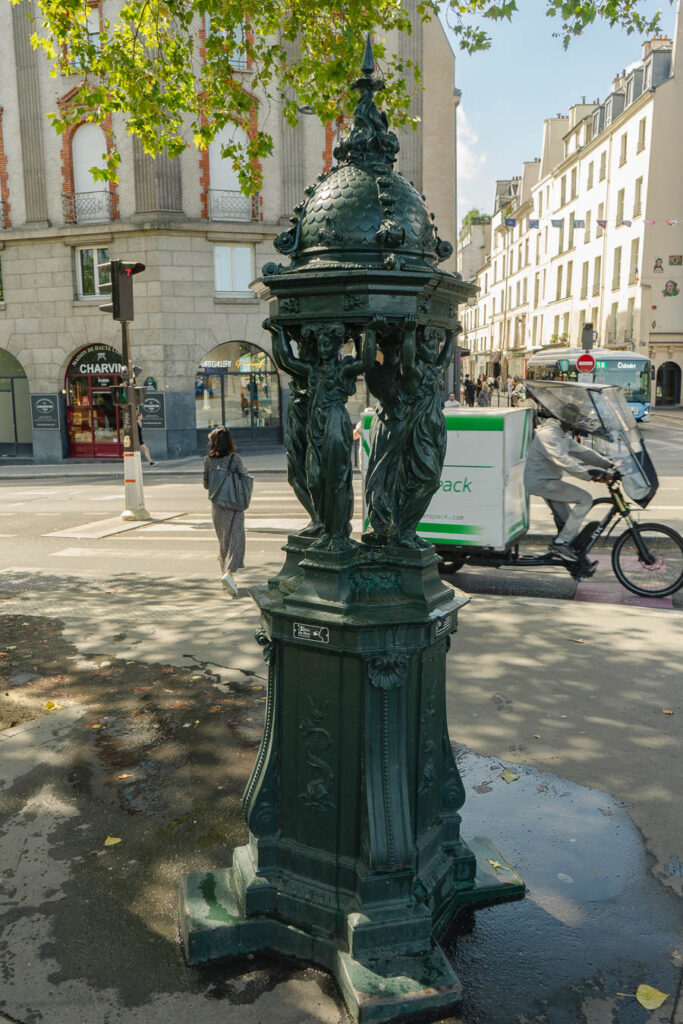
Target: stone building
[
  {"x": 593, "y": 232},
  {"x": 197, "y": 332}
]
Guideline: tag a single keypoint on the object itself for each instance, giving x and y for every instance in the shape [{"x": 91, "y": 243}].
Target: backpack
[{"x": 229, "y": 489}]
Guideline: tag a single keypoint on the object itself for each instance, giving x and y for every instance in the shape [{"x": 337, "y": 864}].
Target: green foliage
[
  {"x": 474, "y": 216},
  {"x": 180, "y": 70}
]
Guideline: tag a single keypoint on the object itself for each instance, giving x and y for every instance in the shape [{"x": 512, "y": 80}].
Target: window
[
  {"x": 603, "y": 166},
  {"x": 234, "y": 266},
  {"x": 524, "y": 290},
  {"x": 622, "y": 150},
  {"x": 560, "y": 238},
  {"x": 633, "y": 262},
  {"x": 573, "y": 188},
  {"x": 641, "y": 136},
  {"x": 88, "y": 278},
  {"x": 630, "y": 311},
  {"x": 517, "y": 293},
  {"x": 556, "y": 326},
  {"x": 587, "y": 233},
  {"x": 540, "y": 203},
  {"x": 601, "y": 216},
  {"x": 589, "y": 180},
  {"x": 568, "y": 285},
  {"x": 638, "y": 197},
  {"x": 226, "y": 200},
  {"x": 558, "y": 284},
  {"x": 584, "y": 279},
  {"x": 620, "y": 205},
  {"x": 236, "y": 44},
  {"x": 90, "y": 201},
  {"x": 563, "y": 190},
  {"x": 570, "y": 221},
  {"x": 92, "y": 26},
  {"x": 537, "y": 285},
  {"x": 526, "y": 253},
  {"x": 612, "y": 322},
  {"x": 616, "y": 269},
  {"x": 597, "y": 273}
]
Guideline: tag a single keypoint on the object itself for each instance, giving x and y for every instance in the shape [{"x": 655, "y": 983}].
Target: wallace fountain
[{"x": 355, "y": 859}]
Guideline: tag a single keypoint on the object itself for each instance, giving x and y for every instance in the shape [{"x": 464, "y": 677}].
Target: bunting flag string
[{"x": 534, "y": 223}]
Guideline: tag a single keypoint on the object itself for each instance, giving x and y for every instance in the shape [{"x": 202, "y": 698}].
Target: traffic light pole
[{"x": 134, "y": 495}]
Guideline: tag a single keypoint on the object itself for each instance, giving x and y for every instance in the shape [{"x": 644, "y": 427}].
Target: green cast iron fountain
[{"x": 355, "y": 859}]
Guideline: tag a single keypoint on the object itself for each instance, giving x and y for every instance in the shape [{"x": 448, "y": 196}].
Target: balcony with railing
[
  {"x": 229, "y": 204},
  {"x": 86, "y": 207}
]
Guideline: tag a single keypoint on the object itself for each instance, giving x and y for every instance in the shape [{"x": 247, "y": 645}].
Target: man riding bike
[{"x": 551, "y": 453}]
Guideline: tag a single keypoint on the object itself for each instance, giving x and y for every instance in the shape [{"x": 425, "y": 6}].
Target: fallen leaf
[
  {"x": 94, "y": 725},
  {"x": 4, "y": 654},
  {"x": 11, "y": 647},
  {"x": 51, "y": 706},
  {"x": 509, "y": 776},
  {"x": 573, "y": 640},
  {"x": 648, "y": 997},
  {"x": 563, "y": 716},
  {"x": 111, "y": 841},
  {"x": 495, "y": 864},
  {"x": 127, "y": 775},
  {"x": 665, "y": 711},
  {"x": 536, "y": 736}
]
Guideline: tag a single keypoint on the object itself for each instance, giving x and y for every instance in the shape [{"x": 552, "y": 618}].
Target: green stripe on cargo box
[
  {"x": 475, "y": 423},
  {"x": 447, "y": 528}
]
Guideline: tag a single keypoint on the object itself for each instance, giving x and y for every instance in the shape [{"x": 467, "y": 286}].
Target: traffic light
[
  {"x": 119, "y": 394},
  {"x": 120, "y": 286}
]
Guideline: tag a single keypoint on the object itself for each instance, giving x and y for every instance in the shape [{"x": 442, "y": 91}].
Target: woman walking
[{"x": 228, "y": 523}]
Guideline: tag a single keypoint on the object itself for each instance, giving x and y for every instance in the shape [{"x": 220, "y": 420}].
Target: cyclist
[{"x": 552, "y": 453}]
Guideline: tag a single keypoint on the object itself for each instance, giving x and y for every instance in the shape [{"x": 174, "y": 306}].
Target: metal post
[{"x": 134, "y": 496}]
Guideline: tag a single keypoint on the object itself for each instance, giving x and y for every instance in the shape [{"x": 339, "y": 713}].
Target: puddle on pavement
[{"x": 594, "y": 921}]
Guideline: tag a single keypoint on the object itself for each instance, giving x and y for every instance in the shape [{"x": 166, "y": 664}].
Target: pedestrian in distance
[
  {"x": 228, "y": 522},
  {"x": 451, "y": 402},
  {"x": 141, "y": 444},
  {"x": 469, "y": 391},
  {"x": 484, "y": 396}
]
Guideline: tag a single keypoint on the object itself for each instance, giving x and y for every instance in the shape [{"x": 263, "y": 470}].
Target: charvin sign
[
  {"x": 154, "y": 411},
  {"x": 96, "y": 359},
  {"x": 45, "y": 412}
]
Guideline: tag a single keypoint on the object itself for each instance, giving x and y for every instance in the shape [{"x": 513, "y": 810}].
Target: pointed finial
[{"x": 368, "y": 65}]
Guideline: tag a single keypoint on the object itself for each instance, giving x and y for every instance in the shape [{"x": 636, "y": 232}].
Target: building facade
[
  {"x": 592, "y": 232},
  {"x": 197, "y": 333}
]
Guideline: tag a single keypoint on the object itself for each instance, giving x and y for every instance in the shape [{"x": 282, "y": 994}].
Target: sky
[{"x": 526, "y": 76}]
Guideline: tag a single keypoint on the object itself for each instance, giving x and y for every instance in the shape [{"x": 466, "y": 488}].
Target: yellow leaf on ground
[
  {"x": 111, "y": 841},
  {"x": 495, "y": 864},
  {"x": 573, "y": 640},
  {"x": 509, "y": 776},
  {"x": 126, "y": 775},
  {"x": 665, "y": 711},
  {"x": 51, "y": 706},
  {"x": 649, "y": 997}
]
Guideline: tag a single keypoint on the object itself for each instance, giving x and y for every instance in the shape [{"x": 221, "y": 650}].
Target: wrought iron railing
[
  {"x": 228, "y": 204},
  {"x": 2, "y": 213},
  {"x": 86, "y": 207}
]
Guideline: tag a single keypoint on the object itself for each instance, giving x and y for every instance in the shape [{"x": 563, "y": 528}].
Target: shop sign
[
  {"x": 150, "y": 383},
  {"x": 96, "y": 359},
  {"x": 45, "y": 412},
  {"x": 154, "y": 411}
]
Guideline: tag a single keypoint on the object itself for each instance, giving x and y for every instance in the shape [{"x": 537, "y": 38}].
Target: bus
[{"x": 630, "y": 372}]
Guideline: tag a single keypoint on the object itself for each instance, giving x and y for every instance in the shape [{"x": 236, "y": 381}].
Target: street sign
[
  {"x": 45, "y": 412},
  {"x": 585, "y": 363}
]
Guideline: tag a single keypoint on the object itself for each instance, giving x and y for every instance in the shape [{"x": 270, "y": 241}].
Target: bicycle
[{"x": 647, "y": 558}]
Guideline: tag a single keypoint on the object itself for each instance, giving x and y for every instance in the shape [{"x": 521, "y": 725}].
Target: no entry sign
[{"x": 585, "y": 363}]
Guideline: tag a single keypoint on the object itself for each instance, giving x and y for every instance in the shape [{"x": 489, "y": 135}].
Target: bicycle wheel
[{"x": 660, "y": 574}]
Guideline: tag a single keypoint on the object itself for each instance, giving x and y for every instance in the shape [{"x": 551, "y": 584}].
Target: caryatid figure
[
  {"x": 296, "y": 426},
  {"x": 423, "y": 446},
  {"x": 329, "y": 441}
]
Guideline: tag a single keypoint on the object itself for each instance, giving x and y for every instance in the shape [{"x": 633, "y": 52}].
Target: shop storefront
[
  {"x": 93, "y": 421},
  {"x": 238, "y": 386},
  {"x": 15, "y": 411}
]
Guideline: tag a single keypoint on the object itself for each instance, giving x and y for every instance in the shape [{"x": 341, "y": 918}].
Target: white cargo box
[{"x": 481, "y": 501}]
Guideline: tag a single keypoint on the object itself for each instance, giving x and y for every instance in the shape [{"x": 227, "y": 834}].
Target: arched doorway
[
  {"x": 668, "y": 384},
  {"x": 91, "y": 416},
  {"x": 238, "y": 386},
  {"x": 16, "y": 435}
]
